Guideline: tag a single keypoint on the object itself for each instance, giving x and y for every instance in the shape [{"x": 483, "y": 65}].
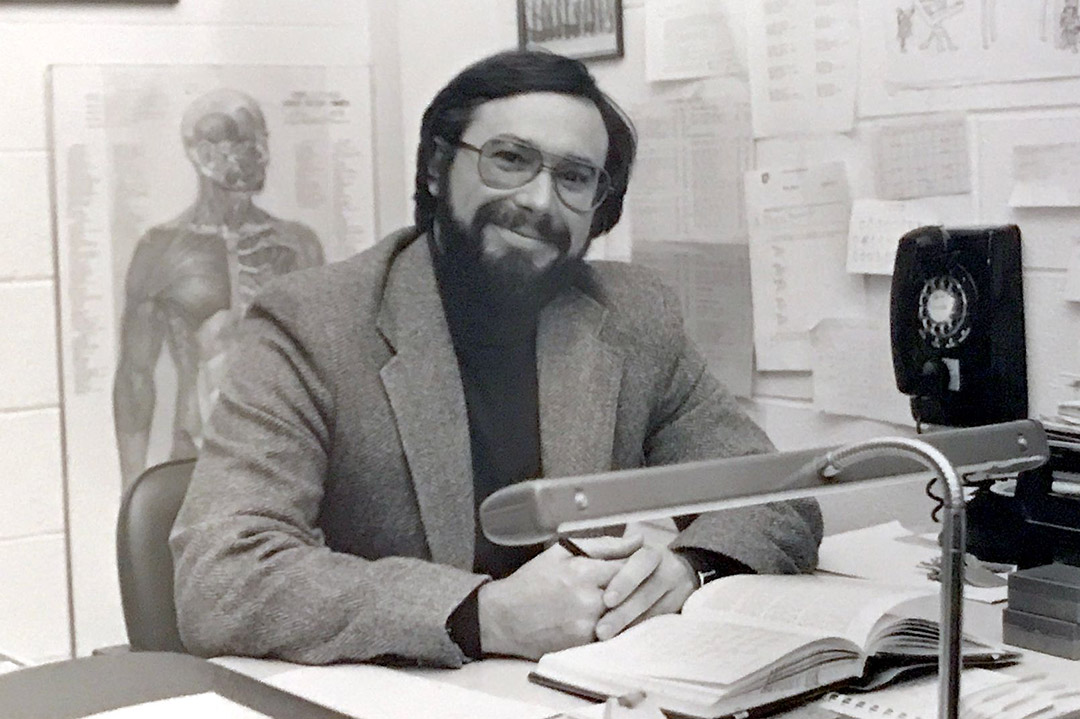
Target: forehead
[{"x": 558, "y": 124}]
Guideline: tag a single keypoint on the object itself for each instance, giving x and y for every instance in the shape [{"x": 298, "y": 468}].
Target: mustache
[{"x": 508, "y": 215}]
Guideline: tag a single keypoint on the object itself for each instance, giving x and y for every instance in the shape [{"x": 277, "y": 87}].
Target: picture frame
[{"x": 581, "y": 29}]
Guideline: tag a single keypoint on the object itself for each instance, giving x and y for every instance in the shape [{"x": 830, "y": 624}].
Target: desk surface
[
  {"x": 508, "y": 678},
  {"x": 71, "y": 689},
  {"x": 67, "y": 690}
]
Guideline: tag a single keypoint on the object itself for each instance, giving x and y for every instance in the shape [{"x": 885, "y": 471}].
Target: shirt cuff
[
  {"x": 710, "y": 565},
  {"x": 463, "y": 625}
]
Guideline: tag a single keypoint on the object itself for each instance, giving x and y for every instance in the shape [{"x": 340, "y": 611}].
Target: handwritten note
[
  {"x": 1072, "y": 275},
  {"x": 1046, "y": 175},
  {"x": 875, "y": 230}
]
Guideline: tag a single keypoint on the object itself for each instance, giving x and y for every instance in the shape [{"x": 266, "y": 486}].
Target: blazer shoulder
[{"x": 637, "y": 299}]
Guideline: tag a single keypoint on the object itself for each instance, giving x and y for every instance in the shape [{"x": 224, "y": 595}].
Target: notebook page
[
  {"x": 375, "y": 692},
  {"x": 669, "y": 646},
  {"x": 820, "y": 604},
  {"x": 206, "y": 704}
]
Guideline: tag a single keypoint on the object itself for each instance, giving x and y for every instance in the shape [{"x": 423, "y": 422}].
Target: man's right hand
[{"x": 551, "y": 602}]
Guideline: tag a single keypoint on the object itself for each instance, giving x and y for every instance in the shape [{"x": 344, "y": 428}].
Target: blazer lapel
[
  {"x": 579, "y": 376},
  {"x": 424, "y": 386}
]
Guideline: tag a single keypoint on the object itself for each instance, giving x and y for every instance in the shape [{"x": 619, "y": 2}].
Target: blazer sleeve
[
  {"x": 697, "y": 418},
  {"x": 253, "y": 575}
]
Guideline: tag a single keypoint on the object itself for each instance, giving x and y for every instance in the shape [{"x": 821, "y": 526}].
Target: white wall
[{"x": 36, "y": 619}]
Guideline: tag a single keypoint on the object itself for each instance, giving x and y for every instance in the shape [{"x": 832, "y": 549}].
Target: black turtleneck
[{"x": 495, "y": 346}]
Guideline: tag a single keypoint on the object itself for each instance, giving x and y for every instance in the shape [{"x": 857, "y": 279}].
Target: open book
[{"x": 757, "y": 642}]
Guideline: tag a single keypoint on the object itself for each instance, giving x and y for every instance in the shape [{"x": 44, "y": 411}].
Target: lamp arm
[{"x": 952, "y": 547}]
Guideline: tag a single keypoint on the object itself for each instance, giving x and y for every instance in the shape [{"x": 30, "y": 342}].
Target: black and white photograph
[{"x": 582, "y": 29}]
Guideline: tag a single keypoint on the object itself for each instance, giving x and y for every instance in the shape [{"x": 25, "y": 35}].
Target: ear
[{"x": 437, "y": 164}]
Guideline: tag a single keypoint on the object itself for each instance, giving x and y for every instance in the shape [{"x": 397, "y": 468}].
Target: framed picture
[{"x": 583, "y": 29}]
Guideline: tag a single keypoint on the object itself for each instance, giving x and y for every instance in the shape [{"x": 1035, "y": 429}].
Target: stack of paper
[{"x": 892, "y": 554}]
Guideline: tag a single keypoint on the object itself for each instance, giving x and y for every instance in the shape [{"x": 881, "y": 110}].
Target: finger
[
  {"x": 636, "y": 607},
  {"x": 635, "y": 571},
  {"x": 597, "y": 573},
  {"x": 610, "y": 547}
]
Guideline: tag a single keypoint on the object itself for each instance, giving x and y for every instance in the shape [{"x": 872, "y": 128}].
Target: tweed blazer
[{"x": 331, "y": 514}]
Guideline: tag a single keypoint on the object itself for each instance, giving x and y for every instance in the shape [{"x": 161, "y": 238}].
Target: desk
[
  {"x": 71, "y": 689},
  {"x": 66, "y": 690},
  {"x": 508, "y": 678}
]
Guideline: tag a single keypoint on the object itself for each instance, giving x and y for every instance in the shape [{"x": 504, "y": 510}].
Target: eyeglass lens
[{"x": 508, "y": 164}]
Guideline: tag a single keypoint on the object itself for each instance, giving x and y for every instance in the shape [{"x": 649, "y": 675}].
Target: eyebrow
[{"x": 575, "y": 158}]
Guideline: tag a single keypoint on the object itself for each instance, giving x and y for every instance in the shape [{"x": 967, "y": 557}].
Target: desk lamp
[{"x": 539, "y": 510}]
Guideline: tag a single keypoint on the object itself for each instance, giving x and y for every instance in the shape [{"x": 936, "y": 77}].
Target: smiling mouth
[{"x": 523, "y": 237}]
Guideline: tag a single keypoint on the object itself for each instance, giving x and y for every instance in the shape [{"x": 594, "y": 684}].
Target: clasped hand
[{"x": 557, "y": 600}]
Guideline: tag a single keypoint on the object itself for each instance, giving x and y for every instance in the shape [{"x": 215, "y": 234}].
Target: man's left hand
[{"x": 654, "y": 580}]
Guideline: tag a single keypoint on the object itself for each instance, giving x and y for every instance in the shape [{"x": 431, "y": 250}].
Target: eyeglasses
[{"x": 506, "y": 164}]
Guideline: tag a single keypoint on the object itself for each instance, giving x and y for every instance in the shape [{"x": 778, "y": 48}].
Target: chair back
[{"x": 145, "y": 564}]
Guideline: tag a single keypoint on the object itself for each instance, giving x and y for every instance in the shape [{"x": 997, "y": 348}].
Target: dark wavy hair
[{"x": 516, "y": 73}]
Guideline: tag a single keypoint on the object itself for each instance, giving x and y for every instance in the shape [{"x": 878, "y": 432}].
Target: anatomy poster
[
  {"x": 180, "y": 191},
  {"x": 958, "y": 42}
]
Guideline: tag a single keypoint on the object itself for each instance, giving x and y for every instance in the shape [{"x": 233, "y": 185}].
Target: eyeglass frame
[{"x": 603, "y": 176}]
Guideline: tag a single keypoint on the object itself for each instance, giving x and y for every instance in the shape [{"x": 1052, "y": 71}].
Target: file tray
[
  {"x": 1042, "y": 634},
  {"x": 1052, "y": 590}
]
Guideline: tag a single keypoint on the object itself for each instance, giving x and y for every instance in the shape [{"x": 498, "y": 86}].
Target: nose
[{"x": 538, "y": 193}]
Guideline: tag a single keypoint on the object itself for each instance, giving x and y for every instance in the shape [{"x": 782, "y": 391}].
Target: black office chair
[{"x": 146, "y": 517}]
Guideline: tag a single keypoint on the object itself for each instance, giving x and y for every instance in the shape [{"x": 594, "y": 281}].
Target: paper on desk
[
  {"x": 912, "y": 700},
  {"x": 374, "y": 692},
  {"x": 890, "y": 553},
  {"x": 207, "y": 704}
]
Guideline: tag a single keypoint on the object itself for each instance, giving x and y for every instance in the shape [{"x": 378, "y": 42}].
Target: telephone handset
[{"x": 957, "y": 323}]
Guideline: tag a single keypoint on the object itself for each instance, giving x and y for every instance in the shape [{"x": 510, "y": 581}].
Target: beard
[{"x": 511, "y": 278}]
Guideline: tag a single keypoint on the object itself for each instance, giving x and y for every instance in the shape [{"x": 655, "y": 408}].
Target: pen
[{"x": 573, "y": 547}]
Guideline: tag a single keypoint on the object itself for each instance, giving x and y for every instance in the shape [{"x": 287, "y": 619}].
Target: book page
[
  {"x": 820, "y": 604},
  {"x": 671, "y": 647}
]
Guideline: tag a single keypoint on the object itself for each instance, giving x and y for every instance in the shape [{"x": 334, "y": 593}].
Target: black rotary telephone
[{"x": 957, "y": 321}]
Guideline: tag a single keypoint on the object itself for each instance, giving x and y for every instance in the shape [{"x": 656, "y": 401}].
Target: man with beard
[{"x": 376, "y": 403}]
